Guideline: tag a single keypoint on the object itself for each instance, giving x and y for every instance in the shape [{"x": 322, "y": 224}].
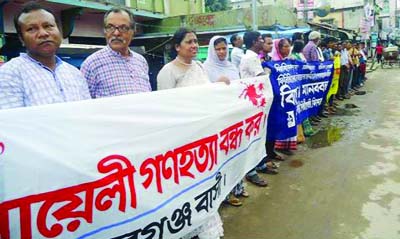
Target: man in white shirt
[
  {"x": 237, "y": 51},
  {"x": 250, "y": 66}
]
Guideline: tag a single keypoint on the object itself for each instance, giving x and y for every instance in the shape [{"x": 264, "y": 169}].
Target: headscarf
[
  {"x": 216, "y": 68},
  {"x": 275, "y": 54}
]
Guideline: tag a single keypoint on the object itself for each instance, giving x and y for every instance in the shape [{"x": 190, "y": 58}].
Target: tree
[{"x": 216, "y": 5}]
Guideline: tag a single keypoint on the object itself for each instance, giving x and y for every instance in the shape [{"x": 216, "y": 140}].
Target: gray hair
[{"x": 120, "y": 10}]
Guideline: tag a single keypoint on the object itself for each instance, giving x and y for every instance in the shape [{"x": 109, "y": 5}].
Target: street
[{"x": 348, "y": 189}]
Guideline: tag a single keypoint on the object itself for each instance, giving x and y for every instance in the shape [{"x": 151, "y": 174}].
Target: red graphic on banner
[
  {"x": 254, "y": 94},
  {"x": 2, "y": 148}
]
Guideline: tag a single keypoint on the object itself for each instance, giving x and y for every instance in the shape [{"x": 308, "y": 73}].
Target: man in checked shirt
[
  {"x": 38, "y": 76},
  {"x": 115, "y": 69}
]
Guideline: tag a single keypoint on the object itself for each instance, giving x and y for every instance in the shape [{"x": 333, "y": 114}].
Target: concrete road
[{"x": 347, "y": 190}]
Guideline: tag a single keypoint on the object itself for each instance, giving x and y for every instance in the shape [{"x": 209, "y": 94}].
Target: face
[
  {"x": 188, "y": 47},
  {"x": 118, "y": 31},
  {"x": 221, "y": 50},
  {"x": 40, "y": 33},
  {"x": 259, "y": 44},
  {"x": 239, "y": 41},
  {"x": 285, "y": 49},
  {"x": 268, "y": 44}
]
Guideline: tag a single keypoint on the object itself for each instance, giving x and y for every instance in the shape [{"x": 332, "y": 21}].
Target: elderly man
[
  {"x": 311, "y": 51},
  {"x": 116, "y": 70},
  {"x": 38, "y": 76}
]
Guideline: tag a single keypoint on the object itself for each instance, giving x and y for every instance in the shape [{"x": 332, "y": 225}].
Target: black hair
[
  {"x": 297, "y": 36},
  {"x": 233, "y": 39},
  {"x": 250, "y": 37},
  {"x": 298, "y": 46},
  {"x": 120, "y": 10},
  {"x": 27, "y": 8},
  {"x": 178, "y": 37},
  {"x": 323, "y": 44},
  {"x": 266, "y": 35},
  {"x": 219, "y": 40}
]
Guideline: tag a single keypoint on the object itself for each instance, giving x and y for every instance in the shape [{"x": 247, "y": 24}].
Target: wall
[
  {"x": 183, "y": 7},
  {"x": 239, "y": 18}
]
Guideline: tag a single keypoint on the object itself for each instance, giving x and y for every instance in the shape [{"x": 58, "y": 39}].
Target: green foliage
[{"x": 216, "y": 5}]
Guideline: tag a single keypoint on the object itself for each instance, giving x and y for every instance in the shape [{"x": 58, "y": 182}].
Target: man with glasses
[{"x": 116, "y": 70}]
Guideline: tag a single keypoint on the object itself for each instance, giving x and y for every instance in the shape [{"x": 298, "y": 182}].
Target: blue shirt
[{"x": 27, "y": 82}]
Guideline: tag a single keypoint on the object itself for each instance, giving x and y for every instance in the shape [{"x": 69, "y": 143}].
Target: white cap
[{"x": 314, "y": 35}]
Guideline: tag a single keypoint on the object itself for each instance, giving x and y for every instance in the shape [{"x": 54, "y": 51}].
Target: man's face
[
  {"x": 267, "y": 46},
  {"x": 259, "y": 44},
  {"x": 118, "y": 31},
  {"x": 239, "y": 41},
  {"x": 40, "y": 33}
]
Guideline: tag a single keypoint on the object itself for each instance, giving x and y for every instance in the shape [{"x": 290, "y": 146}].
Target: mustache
[
  {"x": 44, "y": 42},
  {"x": 117, "y": 39}
]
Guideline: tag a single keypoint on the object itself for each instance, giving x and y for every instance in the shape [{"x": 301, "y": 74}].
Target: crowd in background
[{"x": 116, "y": 70}]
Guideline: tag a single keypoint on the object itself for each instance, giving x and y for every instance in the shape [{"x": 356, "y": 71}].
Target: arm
[
  {"x": 90, "y": 77},
  {"x": 165, "y": 79},
  {"x": 11, "y": 88}
]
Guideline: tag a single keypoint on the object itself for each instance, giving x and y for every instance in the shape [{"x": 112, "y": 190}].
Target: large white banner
[{"x": 152, "y": 165}]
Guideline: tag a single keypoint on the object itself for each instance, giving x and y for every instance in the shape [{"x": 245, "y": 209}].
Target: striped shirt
[
  {"x": 27, "y": 82},
  {"x": 108, "y": 73}
]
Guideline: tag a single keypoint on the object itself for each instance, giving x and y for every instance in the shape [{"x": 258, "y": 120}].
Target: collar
[
  {"x": 251, "y": 53},
  {"x": 115, "y": 53},
  {"x": 26, "y": 56}
]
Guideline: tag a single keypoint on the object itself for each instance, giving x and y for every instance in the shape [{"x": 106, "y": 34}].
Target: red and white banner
[{"x": 152, "y": 165}]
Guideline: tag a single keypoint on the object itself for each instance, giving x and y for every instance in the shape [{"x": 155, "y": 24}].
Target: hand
[{"x": 224, "y": 79}]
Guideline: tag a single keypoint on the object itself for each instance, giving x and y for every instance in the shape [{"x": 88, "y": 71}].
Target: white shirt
[
  {"x": 250, "y": 65},
  {"x": 236, "y": 55}
]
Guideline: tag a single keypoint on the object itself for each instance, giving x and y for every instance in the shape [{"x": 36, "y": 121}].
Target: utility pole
[
  {"x": 305, "y": 11},
  {"x": 254, "y": 15}
]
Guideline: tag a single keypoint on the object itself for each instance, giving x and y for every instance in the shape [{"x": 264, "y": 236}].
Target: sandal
[
  {"x": 234, "y": 201},
  {"x": 245, "y": 194},
  {"x": 255, "y": 179},
  {"x": 272, "y": 165},
  {"x": 277, "y": 157}
]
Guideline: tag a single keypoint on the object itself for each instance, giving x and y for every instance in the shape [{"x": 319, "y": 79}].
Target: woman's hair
[
  {"x": 219, "y": 40},
  {"x": 178, "y": 37},
  {"x": 297, "y": 36},
  {"x": 298, "y": 46}
]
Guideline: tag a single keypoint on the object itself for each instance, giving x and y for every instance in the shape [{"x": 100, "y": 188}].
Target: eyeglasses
[{"x": 112, "y": 28}]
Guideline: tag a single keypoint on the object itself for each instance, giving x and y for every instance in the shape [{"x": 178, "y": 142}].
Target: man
[
  {"x": 267, "y": 47},
  {"x": 345, "y": 68},
  {"x": 311, "y": 51},
  {"x": 237, "y": 51},
  {"x": 38, "y": 76},
  {"x": 250, "y": 66},
  {"x": 115, "y": 69},
  {"x": 355, "y": 58}
]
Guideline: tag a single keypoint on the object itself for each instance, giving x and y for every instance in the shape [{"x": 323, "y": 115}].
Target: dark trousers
[{"x": 343, "y": 80}]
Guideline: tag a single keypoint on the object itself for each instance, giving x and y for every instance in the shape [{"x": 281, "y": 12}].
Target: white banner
[{"x": 152, "y": 165}]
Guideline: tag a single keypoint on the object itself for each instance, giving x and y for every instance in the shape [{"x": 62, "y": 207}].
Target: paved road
[{"x": 348, "y": 190}]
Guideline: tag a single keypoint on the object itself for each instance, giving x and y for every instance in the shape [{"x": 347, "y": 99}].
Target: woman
[
  {"x": 182, "y": 72},
  {"x": 280, "y": 52},
  {"x": 217, "y": 65},
  {"x": 304, "y": 129},
  {"x": 219, "y": 68}
]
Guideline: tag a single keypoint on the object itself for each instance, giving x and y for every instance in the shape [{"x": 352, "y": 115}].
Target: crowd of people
[{"x": 39, "y": 77}]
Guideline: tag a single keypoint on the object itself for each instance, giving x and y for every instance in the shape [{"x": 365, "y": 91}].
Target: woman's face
[
  {"x": 285, "y": 49},
  {"x": 221, "y": 50},
  {"x": 188, "y": 47}
]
